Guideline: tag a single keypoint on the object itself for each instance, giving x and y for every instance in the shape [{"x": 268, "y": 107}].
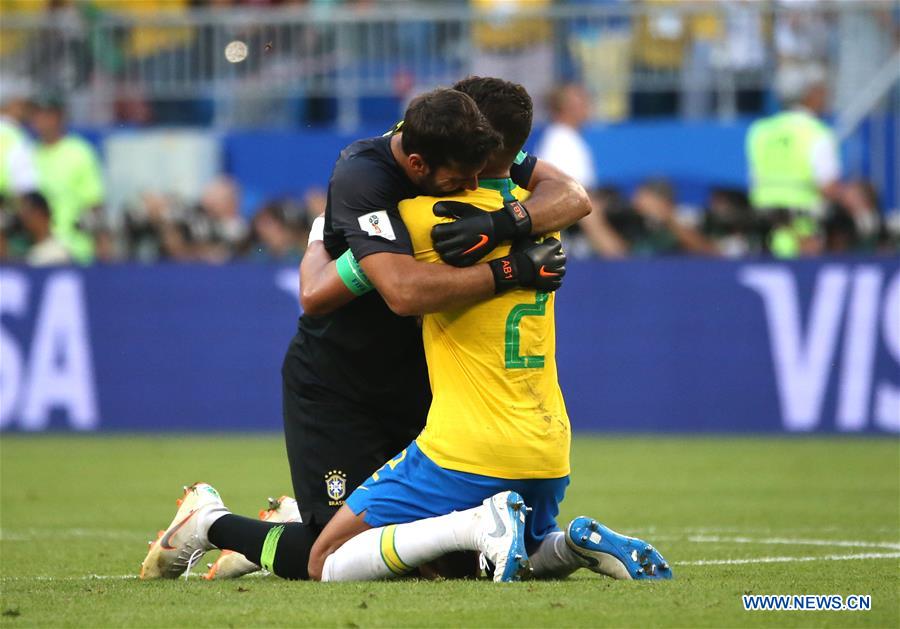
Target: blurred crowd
[
  {"x": 657, "y": 61},
  {"x": 53, "y": 211},
  {"x": 797, "y": 204},
  {"x": 649, "y": 222},
  {"x": 640, "y": 57}
]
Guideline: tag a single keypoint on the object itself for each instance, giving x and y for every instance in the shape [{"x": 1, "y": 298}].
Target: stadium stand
[{"x": 673, "y": 86}]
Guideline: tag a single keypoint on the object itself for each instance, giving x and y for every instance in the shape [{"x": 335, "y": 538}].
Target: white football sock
[
  {"x": 398, "y": 548},
  {"x": 553, "y": 559},
  {"x": 208, "y": 516}
]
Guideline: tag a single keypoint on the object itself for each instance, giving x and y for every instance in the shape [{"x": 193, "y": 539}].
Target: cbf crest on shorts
[{"x": 336, "y": 487}]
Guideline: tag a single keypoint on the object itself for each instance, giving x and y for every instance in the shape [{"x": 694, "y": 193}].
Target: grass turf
[{"x": 72, "y": 507}]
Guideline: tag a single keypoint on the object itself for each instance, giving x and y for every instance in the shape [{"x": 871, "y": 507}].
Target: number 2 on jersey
[{"x": 513, "y": 359}]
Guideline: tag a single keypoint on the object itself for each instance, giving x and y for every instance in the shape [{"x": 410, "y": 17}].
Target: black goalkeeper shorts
[{"x": 334, "y": 445}]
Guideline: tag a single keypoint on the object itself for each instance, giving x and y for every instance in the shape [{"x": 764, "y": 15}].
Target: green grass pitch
[{"x": 76, "y": 514}]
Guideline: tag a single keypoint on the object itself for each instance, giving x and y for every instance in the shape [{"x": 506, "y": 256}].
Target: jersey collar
[{"x": 503, "y": 185}]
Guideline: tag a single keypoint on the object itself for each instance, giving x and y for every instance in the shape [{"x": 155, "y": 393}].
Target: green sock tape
[{"x": 267, "y": 557}]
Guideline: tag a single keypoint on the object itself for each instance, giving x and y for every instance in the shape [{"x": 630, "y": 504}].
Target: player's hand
[
  {"x": 541, "y": 266},
  {"x": 475, "y": 233}
]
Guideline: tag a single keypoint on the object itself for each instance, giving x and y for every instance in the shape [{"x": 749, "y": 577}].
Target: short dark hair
[
  {"x": 445, "y": 126},
  {"x": 37, "y": 201},
  {"x": 506, "y": 105}
]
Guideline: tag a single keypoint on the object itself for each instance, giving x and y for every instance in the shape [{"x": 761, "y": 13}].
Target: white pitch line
[
  {"x": 89, "y": 577},
  {"x": 735, "y": 562},
  {"x": 24, "y": 535},
  {"x": 115, "y": 577},
  {"x": 701, "y": 562},
  {"x": 793, "y": 541}
]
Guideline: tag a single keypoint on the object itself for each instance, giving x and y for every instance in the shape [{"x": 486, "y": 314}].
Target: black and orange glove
[
  {"x": 475, "y": 233},
  {"x": 530, "y": 265}
]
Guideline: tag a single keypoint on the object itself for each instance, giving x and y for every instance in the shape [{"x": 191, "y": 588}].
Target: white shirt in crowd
[
  {"x": 48, "y": 252},
  {"x": 801, "y": 30},
  {"x": 20, "y": 160},
  {"x": 825, "y": 161},
  {"x": 825, "y": 157},
  {"x": 744, "y": 44},
  {"x": 565, "y": 148}
]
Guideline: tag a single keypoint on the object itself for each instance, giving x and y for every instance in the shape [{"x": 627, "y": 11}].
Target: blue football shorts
[{"x": 412, "y": 487}]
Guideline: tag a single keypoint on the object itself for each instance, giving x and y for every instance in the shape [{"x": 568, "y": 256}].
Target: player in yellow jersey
[
  {"x": 497, "y": 435},
  {"x": 356, "y": 379},
  {"x": 497, "y": 408}
]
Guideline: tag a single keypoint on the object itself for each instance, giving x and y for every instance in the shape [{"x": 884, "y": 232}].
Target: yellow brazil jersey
[{"x": 497, "y": 409}]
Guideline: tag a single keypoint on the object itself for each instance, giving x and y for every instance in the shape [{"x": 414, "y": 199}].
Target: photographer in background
[
  {"x": 278, "y": 232},
  {"x": 729, "y": 222},
  {"x": 45, "y": 249},
  {"x": 650, "y": 224},
  {"x": 856, "y": 224}
]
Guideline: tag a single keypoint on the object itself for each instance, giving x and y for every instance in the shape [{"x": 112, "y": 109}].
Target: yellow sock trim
[{"x": 389, "y": 551}]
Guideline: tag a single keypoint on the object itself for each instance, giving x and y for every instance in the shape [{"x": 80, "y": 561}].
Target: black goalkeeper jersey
[{"x": 363, "y": 353}]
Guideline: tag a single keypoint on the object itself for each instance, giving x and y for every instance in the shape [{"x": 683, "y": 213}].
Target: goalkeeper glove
[
  {"x": 530, "y": 265},
  {"x": 475, "y": 233}
]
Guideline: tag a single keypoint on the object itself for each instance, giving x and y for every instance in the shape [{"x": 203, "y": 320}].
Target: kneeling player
[
  {"x": 364, "y": 386},
  {"x": 496, "y": 439}
]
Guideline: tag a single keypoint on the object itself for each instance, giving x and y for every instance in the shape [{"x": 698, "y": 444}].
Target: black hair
[
  {"x": 506, "y": 105},
  {"x": 37, "y": 201},
  {"x": 445, "y": 126}
]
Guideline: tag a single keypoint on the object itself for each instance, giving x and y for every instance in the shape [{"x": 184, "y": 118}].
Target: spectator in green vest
[
  {"x": 795, "y": 167},
  {"x": 69, "y": 177}
]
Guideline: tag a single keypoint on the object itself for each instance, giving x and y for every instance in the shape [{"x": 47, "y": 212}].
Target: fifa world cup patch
[
  {"x": 377, "y": 224},
  {"x": 336, "y": 487}
]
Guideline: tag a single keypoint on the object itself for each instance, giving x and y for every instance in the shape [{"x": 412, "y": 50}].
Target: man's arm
[
  {"x": 410, "y": 287},
  {"x": 380, "y": 240},
  {"x": 557, "y": 201},
  {"x": 407, "y": 286},
  {"x": 321, "y": 288},
  {"x": 413, "y": 288}
]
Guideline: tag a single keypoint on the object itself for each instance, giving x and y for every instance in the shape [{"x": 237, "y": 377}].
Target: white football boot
[
  {"x": 232, "y": 564},
  {"x": 501, "y": 539},
  {"x": 179, "y": 547}
]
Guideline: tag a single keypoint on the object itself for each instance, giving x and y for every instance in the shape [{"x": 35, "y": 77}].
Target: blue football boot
[{"x": 615, "y": 555}]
